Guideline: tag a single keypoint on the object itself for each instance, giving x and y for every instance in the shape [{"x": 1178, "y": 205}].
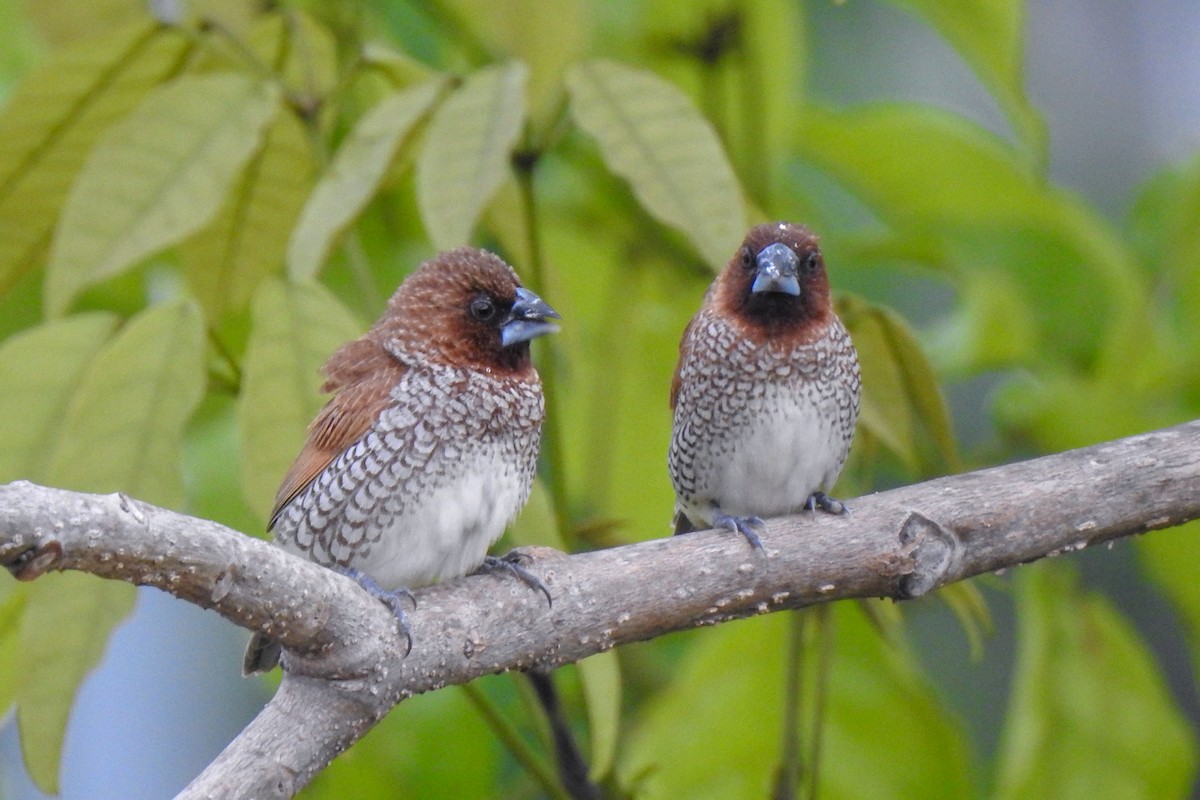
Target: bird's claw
[
  {"x": 743, "y": 525},
  {"x": 830, "y": 505},
  {"x": 392, "y": 599},
  {"x": 511, "y": 562}
]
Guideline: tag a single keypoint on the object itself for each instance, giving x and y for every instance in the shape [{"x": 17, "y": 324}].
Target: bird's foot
[
  {"x": 743, "y": 525},
  {"x": 511, "y": 562},
  {"x": 826, "y": 503},
  {"x": 392, "y": 599}
]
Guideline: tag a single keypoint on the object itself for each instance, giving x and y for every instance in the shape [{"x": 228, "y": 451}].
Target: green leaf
[
  {"x": 535, "y": 525},
  {"x": 13, "y": 597},
  {"x": 433, "y": 745},
  {"x": 156, "y": 177},
  {"x": 357, "y": 171},
  {"x": 724, "y": 701},
  {"x": 40, "y": 370},
  {"x": 226, "y": 261},
  {"x": 466, "y": 153},
  {"x": 929, "y": 172},
  {"x": 900, "y": 390},
  {"x": 650, "y": 134},
  {"x": 1161, "y": 556},
  {"x": 1165, "y": 223},
  {"x": 64, "y": 630},
  {"x": 629, "y": 313},
  {"x": 123, "y": 428},
  {"x": 1090, "y": 716},
  {"x": 600, "y": 676},
  {"x": 296, "y": 327},
  {"x": 55, "y": 116},
  {"x": 970, "y": 608},
  {"x": 989, "y": 34},
  {"x": 992, "y": 328}
]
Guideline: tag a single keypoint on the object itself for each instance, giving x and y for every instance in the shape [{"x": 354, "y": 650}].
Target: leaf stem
[
  {"x": 524, "y": 163},
  {"x": 511, "y": 738},
  {"x": 791, "y": 767},
  {"x": 823, "y": 639},
  {"x": 233, "y": 381}
]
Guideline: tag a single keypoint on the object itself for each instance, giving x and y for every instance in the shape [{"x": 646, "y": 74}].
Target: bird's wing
[
  {"x": 685, "y": 347},
  {"x": 344, "y": 419}
]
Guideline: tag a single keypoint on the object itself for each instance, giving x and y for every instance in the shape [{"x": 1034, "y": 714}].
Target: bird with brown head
[{"x": 428, "y": 447}]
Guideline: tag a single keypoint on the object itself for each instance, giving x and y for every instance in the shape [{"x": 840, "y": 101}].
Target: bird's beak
[
  {"x": 777, "y": 265},
  {"x": 530, "y": 318}
]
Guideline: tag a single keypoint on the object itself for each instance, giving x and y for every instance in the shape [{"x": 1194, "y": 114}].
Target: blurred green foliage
[{"x": 195, "y": 212}]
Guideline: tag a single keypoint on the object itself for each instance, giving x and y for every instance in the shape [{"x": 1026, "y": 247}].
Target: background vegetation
[{"x": 195, "y": 209}]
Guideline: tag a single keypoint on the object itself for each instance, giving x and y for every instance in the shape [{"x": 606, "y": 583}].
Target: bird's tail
[
  {"x": 262, "y": 655},
  {"x": 683, "y": 524}
]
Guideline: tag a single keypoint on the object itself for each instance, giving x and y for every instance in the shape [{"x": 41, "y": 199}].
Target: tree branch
[{"x": 346, "y": 665}]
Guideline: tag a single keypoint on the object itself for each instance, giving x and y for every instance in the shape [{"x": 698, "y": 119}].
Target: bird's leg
[
  {"x": 826, "y": 503},
  {"x": 393, "y": 600},
  {"x": 743, "y": 525},
  {"x": 511, "y": 562}
]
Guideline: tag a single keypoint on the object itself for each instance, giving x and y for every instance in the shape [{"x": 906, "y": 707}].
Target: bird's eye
[
  {"x": 483, "y": 309},
  {"x": 747, "y": 257},
  {"x": 812, "y": 261}
]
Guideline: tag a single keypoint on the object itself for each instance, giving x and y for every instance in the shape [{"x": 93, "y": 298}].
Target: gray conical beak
[
  {"x": 777, "y": 266},
  {"x": 530, "y": 318}
]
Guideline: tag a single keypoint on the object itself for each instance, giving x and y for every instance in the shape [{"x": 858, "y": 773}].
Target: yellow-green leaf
[
  {"x": 225, "y": 262},
  {"x": 1090, "y": 715},
  {"x": 63, "y": 633},
  {"x": 546, "y": 35},
  {"x": 466, "y": 152},
  {"x": 356, "y": 173},
  {"x": 600, "y": 676},
  {"x": 299, "y": 49},
  {"x": 52, "y": 120},
  {"x": 900, "y": 389},
  {"x": 123, "y": 428},
  {"x": 296, "y": 327},
  {"x": 156, "y": 177},
  {"x": 650, "y": 134},
  {"x": 65, "y": 21},
  {"x": 40, "y": 369}
]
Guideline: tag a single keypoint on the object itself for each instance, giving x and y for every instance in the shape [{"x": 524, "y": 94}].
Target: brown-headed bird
[
  {"x": 766, "y": 393},
  {"x": 429, "y": 445}
]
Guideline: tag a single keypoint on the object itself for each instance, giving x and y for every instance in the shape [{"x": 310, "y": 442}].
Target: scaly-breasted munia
[
  {"x": 429, "y": 445},
  {"x": 766, "y": 392}
]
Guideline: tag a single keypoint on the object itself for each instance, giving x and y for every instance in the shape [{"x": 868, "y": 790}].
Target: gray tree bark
[{"x": 346, "y": 662}]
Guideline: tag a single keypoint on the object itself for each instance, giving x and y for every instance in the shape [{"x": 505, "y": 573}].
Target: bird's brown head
[
  {"x": 466, "y": 307},
  {"x": 776, "y": 284}
]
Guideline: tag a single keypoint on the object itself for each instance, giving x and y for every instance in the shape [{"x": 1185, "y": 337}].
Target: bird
[
  {"x": 766, "y": 392},
  {"x": 428, "y": 446}
]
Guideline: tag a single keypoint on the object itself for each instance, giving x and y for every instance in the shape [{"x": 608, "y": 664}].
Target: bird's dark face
[
  {"x": 776, "y": 284},
  {"x": 467, "y": 308},
  {"x": 501, "y": 322}
]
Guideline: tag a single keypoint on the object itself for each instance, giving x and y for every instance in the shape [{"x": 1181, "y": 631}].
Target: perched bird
[
  {"x": 429, "y": 445},
  {"x": 766, "y": 392}
]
